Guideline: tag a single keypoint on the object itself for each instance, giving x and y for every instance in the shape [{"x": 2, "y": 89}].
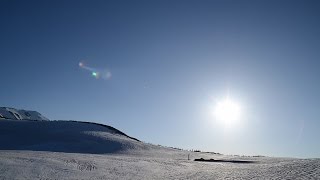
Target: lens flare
[{"x": 96, "y": 72}]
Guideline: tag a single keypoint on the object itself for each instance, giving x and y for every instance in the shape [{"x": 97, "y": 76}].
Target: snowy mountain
[
  {"x": 38, "y": 149},
  {"x": 20, "y": 114}
]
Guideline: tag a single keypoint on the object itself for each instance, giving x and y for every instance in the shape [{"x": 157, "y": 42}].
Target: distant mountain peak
[{"x": 20, "y": 114}]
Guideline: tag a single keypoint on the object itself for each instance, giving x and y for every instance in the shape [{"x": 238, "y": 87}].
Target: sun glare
[{"x": 227, "y": 112}]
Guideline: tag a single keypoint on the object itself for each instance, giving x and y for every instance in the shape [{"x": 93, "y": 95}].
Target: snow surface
[
  {"x": 74, "y": 150},
  {"x": 64, "y": 136}
]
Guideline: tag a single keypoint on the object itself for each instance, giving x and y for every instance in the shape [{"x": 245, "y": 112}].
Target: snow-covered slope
[
  {"x": 65, "y": 136},
  {"x": 79, "y": 150}
]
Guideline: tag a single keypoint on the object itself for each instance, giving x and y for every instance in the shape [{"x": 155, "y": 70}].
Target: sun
[{"x": 227, "y": 112}]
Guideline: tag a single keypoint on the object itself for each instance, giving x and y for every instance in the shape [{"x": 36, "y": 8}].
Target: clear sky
[{"x": 170, "y": 62}]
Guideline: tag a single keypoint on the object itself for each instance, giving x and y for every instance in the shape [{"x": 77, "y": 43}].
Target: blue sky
[{"x": 170, "y": 62}]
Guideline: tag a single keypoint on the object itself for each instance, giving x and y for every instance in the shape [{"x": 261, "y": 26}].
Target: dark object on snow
[{"x": 228, "y": 161}]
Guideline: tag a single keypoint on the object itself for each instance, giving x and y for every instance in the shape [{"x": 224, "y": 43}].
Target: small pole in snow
[{"x": 188, "y": 156}]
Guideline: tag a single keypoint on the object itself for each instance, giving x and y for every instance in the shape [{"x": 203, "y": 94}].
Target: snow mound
[{"x": 65, "y": 136}]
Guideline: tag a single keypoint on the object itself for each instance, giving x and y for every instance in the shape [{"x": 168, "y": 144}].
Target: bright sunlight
[{"x": 227, "y": 112}]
